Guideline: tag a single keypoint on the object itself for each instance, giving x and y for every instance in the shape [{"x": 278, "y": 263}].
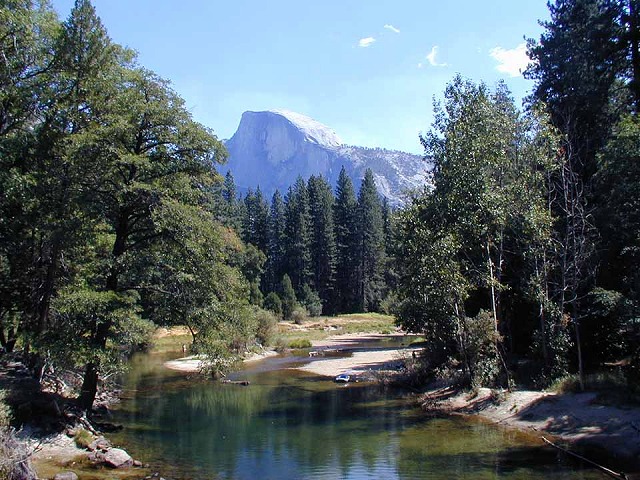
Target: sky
[{"x": 368, "y": 69}]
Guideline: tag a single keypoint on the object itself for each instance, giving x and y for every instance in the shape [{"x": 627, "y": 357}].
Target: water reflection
[{"x": 286, "y": 425}]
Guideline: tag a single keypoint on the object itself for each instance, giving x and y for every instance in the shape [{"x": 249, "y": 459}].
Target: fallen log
[
  {"x": 606, "y": 470},
  {"x": 235, "y": 382}
]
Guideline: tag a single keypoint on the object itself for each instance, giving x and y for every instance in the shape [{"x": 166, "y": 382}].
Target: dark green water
[{"x": 288, "y": 425}]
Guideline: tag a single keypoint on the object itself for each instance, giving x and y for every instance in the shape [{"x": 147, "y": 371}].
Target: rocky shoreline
[
  {"x": 577, "y": 420},
  {"x": 581, "y": 421}
]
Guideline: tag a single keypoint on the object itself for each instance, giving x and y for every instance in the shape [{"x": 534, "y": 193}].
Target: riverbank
[
  {"x": 580, "y": 420},
  {"x": 366, "y": 354}
]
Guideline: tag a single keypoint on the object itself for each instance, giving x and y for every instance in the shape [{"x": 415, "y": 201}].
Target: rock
[
  {"x": 65, "y": 476},
  {"x": 96, "y": 457},
  {"x": 273, "y": 148},
  {"x": 99, "y": 443},
  {"x": 117, "y": 458},
  {"x": 137, "y": 463}
]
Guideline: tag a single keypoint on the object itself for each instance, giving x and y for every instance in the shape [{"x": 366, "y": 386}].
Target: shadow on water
[{"x": 288, "y": 425}]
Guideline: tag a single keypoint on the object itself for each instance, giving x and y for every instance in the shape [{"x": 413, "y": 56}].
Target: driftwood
[
  {"x": 609, "y": 472},
  {"x": 235, "y": 382}
]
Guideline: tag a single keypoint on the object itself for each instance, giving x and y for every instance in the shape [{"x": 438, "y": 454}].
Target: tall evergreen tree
[
  {"x": 345, "y": 220},
  {"x": 230, "y": 211},
  {"x": 276, "y": 244},
  {"x": 254, "y": 221},
  {"x": 298, "y": 236},
  {"x": 370, "y": 251},
  {"x": 575, "y": 66},
  {"x": 323, "y": 246}
]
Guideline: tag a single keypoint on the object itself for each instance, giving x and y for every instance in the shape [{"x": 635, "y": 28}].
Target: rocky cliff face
[{"x": 270, "y": 149}]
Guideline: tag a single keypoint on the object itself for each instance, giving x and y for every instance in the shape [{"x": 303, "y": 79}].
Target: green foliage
[
  {"x": 288, "y": 297},
  {"x": 266, "y": 326},
  {"x": 83, "y": 438},
  {"x": 298, "y": 236},
  {"x": 479, "y": 347},
  {"x": 370, "y": 251},
  {"x": 300, "y": 344},
  {"x": 273, "y": 303},
  {"x": 345, "y": 220},
  {"x": 311, "y": 301},
  {"x": 299, "y": 315},
  {"x": 323, "y": 245}
]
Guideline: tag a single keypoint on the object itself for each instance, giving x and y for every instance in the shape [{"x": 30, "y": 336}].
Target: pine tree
[
  {"x": 254, "y": 220},
  {"x": 230, "y": 210},
  {"x": 323, "y": 246},
  {"x": 288, "y": 297},
  {"x": 298, "y": 236},
  {"x": 370, "y": 252},
  {"x": 345, "y": 214},
  {"x": 276, "y": 252}
]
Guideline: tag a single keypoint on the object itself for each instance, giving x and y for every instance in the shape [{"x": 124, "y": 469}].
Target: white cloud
[
  {"x": 420, "y": 65},
  {"x": 512, "y": 62},
  {"x": 365, "y": 42},
  {"x": 392, "y": 28},
  {"x": 432, "y": 58}
]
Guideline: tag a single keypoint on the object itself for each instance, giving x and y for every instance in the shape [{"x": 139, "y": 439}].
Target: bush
[
  {"x": 266, "y": 326},
  {"x": 280, "y": 345},
  {"x": 479, "y": 340},
  {"x": 299, "y": 315},
  {"x": 273, "y": 303},
  {"x": 300, "y": 343}
]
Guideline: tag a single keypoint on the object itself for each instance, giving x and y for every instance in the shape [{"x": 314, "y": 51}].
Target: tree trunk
[
  {"x": 102, "y": 329},
  {"x": 89, "y": 386}
]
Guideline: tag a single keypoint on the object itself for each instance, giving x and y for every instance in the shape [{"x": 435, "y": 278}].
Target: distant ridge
[{"x": 272, "y": 148}]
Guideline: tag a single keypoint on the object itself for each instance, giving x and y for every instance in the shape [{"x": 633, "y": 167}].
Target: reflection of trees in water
[
  {"x": 459, "y": 448},
  {"x": 229, "y": 428}
]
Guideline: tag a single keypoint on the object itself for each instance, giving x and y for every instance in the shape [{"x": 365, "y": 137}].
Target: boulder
[
  {"x": 117, "y": 458},
  {"x": 65, "y": 476},
  {"x": 99, "y": 443}
]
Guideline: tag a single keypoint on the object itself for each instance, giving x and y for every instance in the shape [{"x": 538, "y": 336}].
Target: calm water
[{"x": 287, "y": 425}]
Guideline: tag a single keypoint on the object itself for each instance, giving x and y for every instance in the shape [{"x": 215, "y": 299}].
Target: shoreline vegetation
[{"x": 589, "y": 421}]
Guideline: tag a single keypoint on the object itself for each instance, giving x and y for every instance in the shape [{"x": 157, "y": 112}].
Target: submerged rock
[{"x": 65, "y": 476}]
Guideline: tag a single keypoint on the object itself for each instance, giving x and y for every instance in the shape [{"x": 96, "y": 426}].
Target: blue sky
[{"x": 369, "y": 69}]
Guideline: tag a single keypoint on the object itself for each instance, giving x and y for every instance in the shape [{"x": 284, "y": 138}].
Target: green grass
[
  {"x": 171, "y": 343},
  {"x": 82, "y": 438}
]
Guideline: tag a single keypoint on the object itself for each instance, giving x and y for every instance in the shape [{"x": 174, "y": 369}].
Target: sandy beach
[{"x": 362, "y": 358}]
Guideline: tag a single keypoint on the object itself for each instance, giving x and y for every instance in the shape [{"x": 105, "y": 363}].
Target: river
[{"x": 290, "y": 425}]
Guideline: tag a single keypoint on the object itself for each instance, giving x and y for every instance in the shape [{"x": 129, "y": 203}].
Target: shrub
[
  {"x": 299, "y": 315},
  {"x": 479, "y": 340},
  {"x": 266, "y": 326},
  {"x": 280, "y": 345},
  {"x": 300, "y": 343},
  {"x": 82, "y": 438}
]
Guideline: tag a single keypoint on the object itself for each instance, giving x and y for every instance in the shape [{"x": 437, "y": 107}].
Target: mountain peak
[
  {"x": 314, "y": 131},
  {"x": 272, "y": 148}
]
